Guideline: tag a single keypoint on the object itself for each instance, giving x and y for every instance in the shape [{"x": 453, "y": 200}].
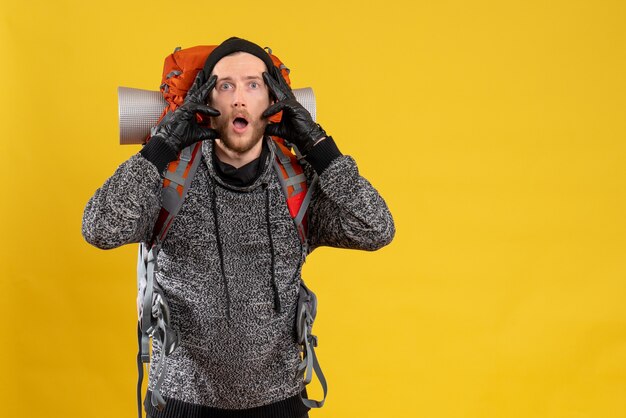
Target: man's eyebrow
[{"x": 248, "y": 77}]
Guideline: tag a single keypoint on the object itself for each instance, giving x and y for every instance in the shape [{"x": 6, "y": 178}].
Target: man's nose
[{"x": 239, "y": 99}]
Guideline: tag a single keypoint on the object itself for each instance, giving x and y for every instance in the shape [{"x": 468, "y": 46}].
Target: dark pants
[{"x": 304, "y": 416}]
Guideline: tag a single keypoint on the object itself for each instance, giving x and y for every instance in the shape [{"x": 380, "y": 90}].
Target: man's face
[{"x": 241, "y": 96}]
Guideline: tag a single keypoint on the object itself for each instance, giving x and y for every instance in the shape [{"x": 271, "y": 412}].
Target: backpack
[{"x": 179, "y": 72}]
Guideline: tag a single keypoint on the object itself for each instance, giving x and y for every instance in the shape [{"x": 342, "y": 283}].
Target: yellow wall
[{"x": 494, "y": 129}]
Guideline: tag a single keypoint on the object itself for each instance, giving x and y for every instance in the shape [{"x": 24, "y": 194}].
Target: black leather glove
[
  {"x": 180, "y": 128},
  {"x": 296, "y": 125}
]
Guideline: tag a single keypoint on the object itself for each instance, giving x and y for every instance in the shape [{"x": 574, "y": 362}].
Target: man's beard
[{"x": 256, "y": 130}]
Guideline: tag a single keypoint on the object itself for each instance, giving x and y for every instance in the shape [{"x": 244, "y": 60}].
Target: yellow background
[{"x": 494, "y": 129}]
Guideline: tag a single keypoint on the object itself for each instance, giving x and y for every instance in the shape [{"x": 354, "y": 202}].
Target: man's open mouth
[{"x": 240, "y": 122}]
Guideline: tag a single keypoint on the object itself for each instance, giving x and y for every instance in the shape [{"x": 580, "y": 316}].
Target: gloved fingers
[
  {"x": 206, "y": 133},
  {"x": 275, "y": 87},
  {"x": 275, "y": 129},
  {"x": 273, "y": 109},
  {"x": 207, "y": 110},
  {"x": 195, "y": 86},
  {"x": 198, "y": 93},
  {"x": 206, "y": 89},
  {"x": 278, "y": 75},
  {"x": 291, "y": 109}
]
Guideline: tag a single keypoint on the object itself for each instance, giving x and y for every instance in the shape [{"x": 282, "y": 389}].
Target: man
[{"x": 230, "y": 266}]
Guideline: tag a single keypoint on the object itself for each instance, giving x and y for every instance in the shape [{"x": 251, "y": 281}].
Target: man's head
[{"x": 240, "y": 94}]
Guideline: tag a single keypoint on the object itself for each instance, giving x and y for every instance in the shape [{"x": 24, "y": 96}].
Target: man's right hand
[{"x": 180, "y": 129}]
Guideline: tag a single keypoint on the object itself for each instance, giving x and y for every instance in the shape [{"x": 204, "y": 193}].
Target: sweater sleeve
[
  {"x": 346, "y": 211},
  {"x": 126, "y": 207}
]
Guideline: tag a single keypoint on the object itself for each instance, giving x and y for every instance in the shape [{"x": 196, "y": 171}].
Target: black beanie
[{"x": 235, "y": 45}]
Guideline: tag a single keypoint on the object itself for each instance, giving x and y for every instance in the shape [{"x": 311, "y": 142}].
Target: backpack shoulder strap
[
  {"x": 293, "y": 181},
  {"x": 298, "y": 195},
  {"x": 178, "y": 178}
]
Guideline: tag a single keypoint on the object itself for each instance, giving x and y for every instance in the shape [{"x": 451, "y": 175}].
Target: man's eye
[
  {"x": 254, "y": 85},
  {"x": 225, "y": 86}
]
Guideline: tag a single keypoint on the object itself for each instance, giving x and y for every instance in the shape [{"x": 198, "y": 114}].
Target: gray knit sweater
[{"x": 238, "y": 347}]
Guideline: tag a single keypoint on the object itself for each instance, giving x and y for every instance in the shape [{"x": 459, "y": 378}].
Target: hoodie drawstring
[
  {"x": 219, "y": 249},
  {"x": 277, "y": 307}
]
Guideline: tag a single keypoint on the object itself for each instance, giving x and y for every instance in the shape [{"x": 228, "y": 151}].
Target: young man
[{"x": 230, "y": 266}]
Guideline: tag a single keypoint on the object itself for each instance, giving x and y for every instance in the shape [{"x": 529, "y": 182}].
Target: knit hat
[{"x": 235, "y": 45}]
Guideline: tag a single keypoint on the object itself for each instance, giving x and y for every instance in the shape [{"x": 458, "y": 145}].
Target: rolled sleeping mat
[{"x": 139, "y": 110}]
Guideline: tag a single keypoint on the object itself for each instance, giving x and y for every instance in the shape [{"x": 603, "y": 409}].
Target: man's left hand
[{"x": 296, "y": 125}]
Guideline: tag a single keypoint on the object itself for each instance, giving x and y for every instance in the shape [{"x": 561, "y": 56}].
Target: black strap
[{"x": 139, "y": 371}]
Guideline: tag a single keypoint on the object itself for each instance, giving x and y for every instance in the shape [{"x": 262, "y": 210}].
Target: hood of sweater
[{"x": 263, "y": 178}]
